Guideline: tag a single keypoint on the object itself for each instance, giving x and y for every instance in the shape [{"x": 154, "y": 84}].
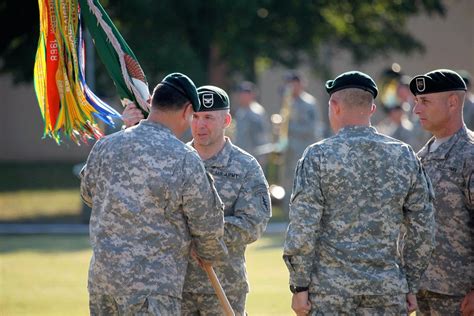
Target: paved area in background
[{"x": 72, "y": 229}]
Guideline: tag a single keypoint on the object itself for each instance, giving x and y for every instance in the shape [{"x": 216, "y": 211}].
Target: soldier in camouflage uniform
[
  {"x": 240, "y": 182},
  {"x": 304, "y": 128},
  {"x": 351, "y": 195},
  {"x": 253, "y": 128},
  {"x": 150, "y": 199},
  {"x": 447, "y": 285}
]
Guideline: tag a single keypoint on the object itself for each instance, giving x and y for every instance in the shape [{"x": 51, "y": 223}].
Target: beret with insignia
[
  {"x": 352, "y": 79},
  {"x": 213, "y": 99},
  {"x": 184, "y": 85},
  {"x": 439, "y": 80}
]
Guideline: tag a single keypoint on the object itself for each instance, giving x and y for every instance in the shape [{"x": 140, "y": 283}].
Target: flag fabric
[
  {"x": 68, "y": 107},
  {"x": 116, "y": 55}
]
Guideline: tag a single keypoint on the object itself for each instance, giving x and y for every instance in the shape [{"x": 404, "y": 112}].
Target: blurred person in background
[
  {"x": 304, "y": 127},
  {"x": 252, "y": 127},
  {"x": 468, "y": 112}
]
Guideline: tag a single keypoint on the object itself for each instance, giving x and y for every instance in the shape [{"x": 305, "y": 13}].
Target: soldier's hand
[
  {"x": 412, "y": 304},
  {"x": 131, "y": 115},
  {"x": 467, "y": 305},
  {"x": 300, "y": 303}
]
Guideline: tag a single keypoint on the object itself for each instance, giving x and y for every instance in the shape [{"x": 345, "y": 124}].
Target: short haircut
[
  {"x": 167, "y": 98},
  {"x": 354, "y": 97}
]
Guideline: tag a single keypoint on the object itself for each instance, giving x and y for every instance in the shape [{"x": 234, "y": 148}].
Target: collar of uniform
[
  {"x": 222, "y": 157},
  {"x": 357, "y": 129},
  {"x": 444, "y": 149},
  {"x": 155, "y": 125}
]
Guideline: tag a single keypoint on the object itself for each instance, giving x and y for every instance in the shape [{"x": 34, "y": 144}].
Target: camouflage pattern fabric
[
  {"x": 434, "y": 304},
  {"x": 106, "y": 305},
  {"x": 252, "y": 128},
  {"x": 150, "y": 199},
  {"x": 360, "y": 305},
  {"x": 451, "y": 169},
  {"x": 243, "y": 188},
  {"x": 352, "y": 194},
  {"x": 195, "y": 304}
]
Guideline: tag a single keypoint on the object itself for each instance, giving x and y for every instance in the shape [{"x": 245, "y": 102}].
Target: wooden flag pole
[{"x": 228, "y": 311}]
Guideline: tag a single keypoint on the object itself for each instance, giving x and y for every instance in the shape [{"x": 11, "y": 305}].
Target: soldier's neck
[
  {"x": 450, "y": 128},
  {"x": 209, "y": 151}
]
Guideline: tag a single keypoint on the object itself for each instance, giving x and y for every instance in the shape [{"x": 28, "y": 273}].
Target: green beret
[
  {"x": 213, "y": 98},
  {"x": 352, "y": 79},
  {"x": 439, "y": 80},
  {"x": 184, "y": 85}
]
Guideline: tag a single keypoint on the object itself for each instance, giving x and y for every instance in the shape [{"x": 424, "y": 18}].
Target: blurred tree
[{"x": 216, "y": 39}]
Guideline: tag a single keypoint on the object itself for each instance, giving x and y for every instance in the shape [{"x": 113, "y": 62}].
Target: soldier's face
[
  {"x": 208, "y": 127},
  {"x": 433, "y": 111},
  {"x": 245, "y": 98}
]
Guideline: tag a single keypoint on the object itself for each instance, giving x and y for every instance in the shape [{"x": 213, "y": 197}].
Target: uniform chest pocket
[{"x": 449, "y": 172}]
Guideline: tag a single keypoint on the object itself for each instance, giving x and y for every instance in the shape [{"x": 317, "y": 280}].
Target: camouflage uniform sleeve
[
  {"x": 252, "y": 210},
  {"x": 420, "y": 224},
  {"x": 204, "y": 210},
  {"x": 470, "y": 206},
  {"x": 88, "y": 175},
  {"x": 306, "y": 209}
]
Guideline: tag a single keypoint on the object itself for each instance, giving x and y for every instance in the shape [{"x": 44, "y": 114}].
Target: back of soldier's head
[
  {"x": 355, "y": 98},
  {"x": 166, "y": 98},
  {"x": 353, "y": 89},
  {"x": 174, "y": 92}
]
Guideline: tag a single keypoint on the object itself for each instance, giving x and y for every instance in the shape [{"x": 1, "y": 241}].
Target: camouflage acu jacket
[
  {"x": 352, "y": 193},
  {"x": 451, "y": 169},
  {"x": 150, "y": 198},
  {"x": 242, "y": 186}
]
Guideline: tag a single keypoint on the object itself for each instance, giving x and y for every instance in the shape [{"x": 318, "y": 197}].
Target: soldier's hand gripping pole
[{"x": 228, "y": 311}]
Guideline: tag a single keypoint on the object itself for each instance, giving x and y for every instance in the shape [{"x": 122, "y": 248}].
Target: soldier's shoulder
[
  {"x": 109, "y": 140},
  {"x": 465, "y": 146},
  {"x": 470, "y": 137},
  {"x": 397, "y": 148},
  {"x": 243, "y": 157},
  {"x": 257, "y": 109},
  {"x": 308, "y": 98}
]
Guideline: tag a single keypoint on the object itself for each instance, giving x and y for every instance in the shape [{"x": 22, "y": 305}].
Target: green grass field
[
  {"x": 47, "y": 275},
  {"x": 58, "y": 205}
]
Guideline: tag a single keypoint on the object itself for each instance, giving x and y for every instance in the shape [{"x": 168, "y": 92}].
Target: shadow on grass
[{"x": 44, "y": 244}]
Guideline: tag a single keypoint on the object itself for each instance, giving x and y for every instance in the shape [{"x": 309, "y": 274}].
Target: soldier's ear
[
  {"x": 335, "y": 106},
  {"x": 227, "y": 119},
  {"x": 454, "y": 100},
  {"x": 373, "y": 108}
]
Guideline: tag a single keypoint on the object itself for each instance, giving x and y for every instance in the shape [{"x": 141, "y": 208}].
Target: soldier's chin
[{"x": 201, "y": 141}]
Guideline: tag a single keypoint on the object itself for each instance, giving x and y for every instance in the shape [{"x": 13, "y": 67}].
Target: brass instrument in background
[{"x": 276, "y": 149}]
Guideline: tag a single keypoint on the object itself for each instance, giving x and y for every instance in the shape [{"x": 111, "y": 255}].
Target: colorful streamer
[{"x": 67, "y": 105}]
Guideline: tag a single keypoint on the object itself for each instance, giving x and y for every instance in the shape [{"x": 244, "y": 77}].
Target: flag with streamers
[{"x": 68, "y": 107}]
